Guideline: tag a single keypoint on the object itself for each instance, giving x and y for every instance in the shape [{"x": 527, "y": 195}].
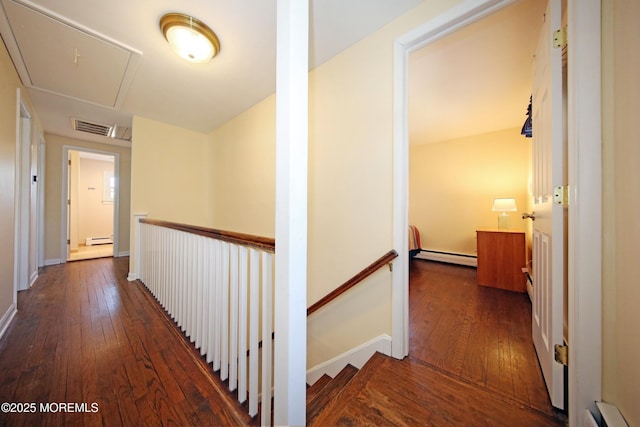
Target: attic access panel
[{"x": 62, "y": 58}]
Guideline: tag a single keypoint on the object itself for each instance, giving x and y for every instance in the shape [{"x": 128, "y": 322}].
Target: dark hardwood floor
[
  {"x": 471, "y": 362},
  {"x": 409, "y": 393},
  {"x": 474, "y": 333},
  {"x": 85, "y": 335}
]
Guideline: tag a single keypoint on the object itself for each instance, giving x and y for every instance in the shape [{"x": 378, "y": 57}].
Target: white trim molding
[
  {"x": 585, "y": 207},
  {"x": 7, "y": 318},
  {"x": 134, "y": 261},
  {"x": 357, "y": 357}
]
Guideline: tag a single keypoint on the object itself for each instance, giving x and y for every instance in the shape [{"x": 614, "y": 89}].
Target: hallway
[{"x": 85, "y": 335}]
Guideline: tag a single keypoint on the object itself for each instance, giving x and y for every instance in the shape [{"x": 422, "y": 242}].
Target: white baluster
[
  {"x": 211, "y": 300},
  {"x": 254, "y": 292},
  {"x": 224, "y": 315},
  {"x": 198, "y": 307},
  {"x": 217, "y": 310},
  {"x": 192, "y": 286},
  {"x": 243, "y": 320},
  {"x": 204, "y": 272},
  {"x": 171, "y": 279},
  {"x": 181, "y": 278},
  {"x": 233, "y": 317},
  {"x": 267, "y": 343}
]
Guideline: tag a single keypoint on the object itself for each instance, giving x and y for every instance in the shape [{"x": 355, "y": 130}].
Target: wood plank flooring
[
  {"x": 471, "y": 362},
  {"x": 85, "y": 335},
  {"x": 474, "y": 333},
  {"x": 424, "y": 397}
]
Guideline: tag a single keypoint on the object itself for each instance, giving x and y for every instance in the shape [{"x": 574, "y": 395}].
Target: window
[{"x": 108, "y": 187}]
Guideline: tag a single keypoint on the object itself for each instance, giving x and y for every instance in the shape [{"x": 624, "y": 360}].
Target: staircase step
[
  {"x": 409, "y": 392},
  {"x": 317, "y": 387},
  {"x": 327, "y": 393}
]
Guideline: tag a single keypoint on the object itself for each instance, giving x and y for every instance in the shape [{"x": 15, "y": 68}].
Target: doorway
[
  {"x": 29, "y": 200},
  {"x": 466, "y": 149},
  {"x": 585, "y": 244},
  {"x": 91, "y": 200}
]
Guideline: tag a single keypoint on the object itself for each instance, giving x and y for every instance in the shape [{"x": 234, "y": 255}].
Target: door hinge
[
  {"x": 562, "y": 354},
  {"x": 560, "y": 37},
  {"x": 68, "y": 242},
  {"x": 561, "y": 195},
  {"x": 69, "y": 202}
]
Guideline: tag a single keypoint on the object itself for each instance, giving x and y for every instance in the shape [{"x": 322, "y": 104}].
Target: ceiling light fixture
[{"x": 189, "y": 37}]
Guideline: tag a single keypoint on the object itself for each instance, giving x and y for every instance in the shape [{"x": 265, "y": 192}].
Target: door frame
[
  {"x": 65, "y": 196},
  {"x": 585, "y": 183},
  {"x": 28, "y": 215}
]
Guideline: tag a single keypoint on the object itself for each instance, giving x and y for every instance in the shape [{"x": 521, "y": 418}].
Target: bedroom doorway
[
  {"x": 466, "y": 149},
  {"x": 584, "y": 28},
  {"x": 91, "y": 201}
]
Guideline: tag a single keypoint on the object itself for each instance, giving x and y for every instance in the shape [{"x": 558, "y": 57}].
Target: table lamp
[{"x": 503, "y": 206}]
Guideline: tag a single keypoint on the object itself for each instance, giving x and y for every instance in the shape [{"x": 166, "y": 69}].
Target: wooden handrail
[
  {"x": 366, "y": 272},
  {"x": 266, "y": 244}
]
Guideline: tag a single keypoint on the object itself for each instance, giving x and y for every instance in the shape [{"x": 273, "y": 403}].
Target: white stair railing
[{"x": 218, "y": 288}]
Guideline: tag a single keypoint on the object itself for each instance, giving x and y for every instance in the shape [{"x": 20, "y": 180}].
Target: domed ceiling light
[{"x": 189, "y": 37}]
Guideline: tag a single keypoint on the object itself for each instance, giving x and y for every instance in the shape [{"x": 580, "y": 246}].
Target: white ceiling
[
  {"x": 105, "y": 61},
  {"x": 477, "y": 79}
]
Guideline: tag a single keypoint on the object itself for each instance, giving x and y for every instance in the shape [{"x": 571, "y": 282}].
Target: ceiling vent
[{"x": 109, "y": 131}]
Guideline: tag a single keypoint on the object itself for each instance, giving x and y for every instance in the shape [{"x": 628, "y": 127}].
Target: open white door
[{"x": 549, "y": 233}]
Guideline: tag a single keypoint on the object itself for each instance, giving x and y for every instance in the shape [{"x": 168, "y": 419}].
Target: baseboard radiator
[
  {"x": 448, "y": 257},
  {"x": 220, "y": 294},
  {"x": 90, "y": 241},
  {"x": 607, "y": 415}
]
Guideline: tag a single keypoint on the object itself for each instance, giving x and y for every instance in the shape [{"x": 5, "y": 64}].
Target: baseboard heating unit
[
  {"x": 606, "y": 416},
  {"x": 448, "y": 257},
  {"x": 98, "y": 241}
]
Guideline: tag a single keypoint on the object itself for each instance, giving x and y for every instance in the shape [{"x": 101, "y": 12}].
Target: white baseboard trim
[
  {"x": 7, "y": 318},
  {"x": 33, "y": 279},
  {"x": 470, "y": 261},
  {"x": 132, "y": 276},
  {"x": 123, "y": 253},
  {"x": 357, "y": 357},
  {"x": 53, "y": 261}
]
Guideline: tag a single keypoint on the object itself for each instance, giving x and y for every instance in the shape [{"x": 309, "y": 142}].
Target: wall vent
[{"x": 109, "y": 131}]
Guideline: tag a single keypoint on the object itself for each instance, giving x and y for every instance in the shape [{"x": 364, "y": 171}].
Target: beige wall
[
  {"x": 8, "y": 84},
  {"x": 242, "y": 172},
  {"x": 350, "y": 183},
  {"x": 621, "y": 197},
  {"x": 452, "y": 185},
  {"x": 169, "y": 177},
  {"x": 170, "y": 172},
  {"x": 53, "y": 193}
]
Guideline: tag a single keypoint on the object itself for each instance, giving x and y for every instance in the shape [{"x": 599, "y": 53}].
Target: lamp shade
[
  {"x": 504, "y": 205},
  {"x": 190, "y": 38}
]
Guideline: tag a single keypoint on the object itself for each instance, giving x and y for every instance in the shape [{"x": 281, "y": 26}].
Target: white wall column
[
  {"x": 292, "y": 93},
  {"x": 134, "y": 260},
  {"x": 585, "y": 207}
]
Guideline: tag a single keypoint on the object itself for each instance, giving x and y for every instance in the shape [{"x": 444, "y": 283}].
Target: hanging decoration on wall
[{"x": 527, "y": 128}]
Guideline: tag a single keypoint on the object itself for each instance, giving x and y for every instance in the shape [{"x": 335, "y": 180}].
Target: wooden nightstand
[{"x": 501, "y": 257}]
